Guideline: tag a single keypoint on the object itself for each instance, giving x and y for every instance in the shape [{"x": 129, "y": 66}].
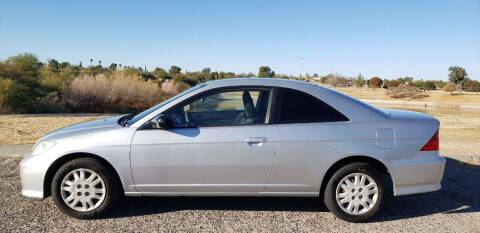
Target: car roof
[{"x": 259, "y": 81}]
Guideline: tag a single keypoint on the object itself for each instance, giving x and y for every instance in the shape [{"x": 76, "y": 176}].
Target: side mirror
[{"x": 160, "y": 122}]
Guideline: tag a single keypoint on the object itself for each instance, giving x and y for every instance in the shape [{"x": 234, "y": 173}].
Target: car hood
[{"x": 85, "y": 127}]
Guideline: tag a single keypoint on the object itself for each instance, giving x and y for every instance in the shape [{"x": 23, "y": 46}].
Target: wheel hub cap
[
  {"x": 83, "y": 190},
  {"x": 357, "y": 193}
]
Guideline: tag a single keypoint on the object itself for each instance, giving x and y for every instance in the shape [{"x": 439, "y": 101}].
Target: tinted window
[
  {"x": 223, "y": 108},
  {"x": 296, "y": 106}
]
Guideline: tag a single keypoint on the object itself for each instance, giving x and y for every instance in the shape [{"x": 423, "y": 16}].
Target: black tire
[
  {"x": 356, "y": 167},
  {"x": 112, "y": 186}
]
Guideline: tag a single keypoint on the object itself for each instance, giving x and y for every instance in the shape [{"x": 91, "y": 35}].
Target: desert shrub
[
  {"x": 334, "y": 80},
  {"x": 440, "y": 84},
  {"x": 181, "y": 86},
  {"x": 161, "y": 75},
  {"x": 188, "y": 79},
  {"x": 23, "y": 69},
  {"x": 59, "y": 80},
  {"x": 404, "y": 91},
  {"x": 472, "y": 86},
  {"x": 450, "y": 87},
  {"x": 19, "y": 76},
  {"x": 418, "y": 83},
  {"x": 392, "y": 84},
  {"x": 120, "y": 93},
  {"x": 429, "y": 85},
  {"x": 14, "y": 96},
  {"x": 147, "y": 75},
  {"x": 169, "y": 88},
  {"x": 359, "y": 81},
  {"x": 51, "y": 103}
]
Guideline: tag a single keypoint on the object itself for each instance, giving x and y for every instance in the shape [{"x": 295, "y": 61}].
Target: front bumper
[
  {"x": 417, "y": 175},
  {"x": 32, "y": 175}
]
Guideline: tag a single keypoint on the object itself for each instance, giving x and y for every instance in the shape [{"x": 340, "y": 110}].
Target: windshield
[{"x": 152, "y": 109}]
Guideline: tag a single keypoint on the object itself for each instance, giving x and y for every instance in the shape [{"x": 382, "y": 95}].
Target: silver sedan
[{"x": 241, "y": 137}]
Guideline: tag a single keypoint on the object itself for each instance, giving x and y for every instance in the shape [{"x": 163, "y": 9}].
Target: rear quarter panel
[{"x": 304, "y": 152}]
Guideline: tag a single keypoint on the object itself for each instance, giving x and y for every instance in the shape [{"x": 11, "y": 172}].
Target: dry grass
[
  {"x": 26, "y": 129},
  {"x": 459, "y": 134},
  {"x": 431, "y": 96},
  {"x": 119, "y": 93}
]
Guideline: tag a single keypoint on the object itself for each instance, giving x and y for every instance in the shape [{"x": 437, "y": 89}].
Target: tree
[
  {"x": 408, "y": 80},
  {"x": 20, "y": 76},
  {"x": 359, "y": 81},
  {"x": 113, "y": 66},
  {"x": 53, "y": 64},
  {"x": 24, "y": 69},
  {"x": 13, "y": 95},
  {"x": 214, "y": 75},
  {"x": 161, "y": 74},
  {"x": 206, "y": 71},
  {"x": 63, "y": 65},
  {"x": 223, "y": 75},
  {"x": 419, "y": 83},
  {"x": 440, "y": 84},
  {"x": 392, "y": 83},
  {"x": 174, "y": 70},
  {"x": 375, "y": 82},
  {"x": 265, "y": 72},
  {"x": 205, "y": 74},
  {"x": 457, "y": 74},
  {"x": 429, "y": 85}
]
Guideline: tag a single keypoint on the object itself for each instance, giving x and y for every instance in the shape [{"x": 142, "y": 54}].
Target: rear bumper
[
  {"x": 419, "y": 175},
  {"x": 32, "y": 174}
]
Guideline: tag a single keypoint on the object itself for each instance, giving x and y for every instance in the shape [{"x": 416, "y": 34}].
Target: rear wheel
[
  {"x": 356, "y": 192},
  {"x": 85, "y": 188}
]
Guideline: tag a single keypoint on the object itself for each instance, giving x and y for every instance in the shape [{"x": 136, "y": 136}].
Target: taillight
[{"x": 432, "y": 144}]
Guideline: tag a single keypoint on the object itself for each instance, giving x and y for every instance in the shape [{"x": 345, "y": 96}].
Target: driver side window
[{"x": 223, "y": 108}]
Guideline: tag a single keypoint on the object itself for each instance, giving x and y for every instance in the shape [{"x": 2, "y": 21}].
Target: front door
[{"x": 216, "y": 143}]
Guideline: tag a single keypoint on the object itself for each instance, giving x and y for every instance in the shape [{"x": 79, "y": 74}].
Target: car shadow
[{"x": 459, "y": 194}]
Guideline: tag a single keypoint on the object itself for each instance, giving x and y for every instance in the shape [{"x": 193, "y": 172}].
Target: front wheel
[
  {"x": 356, "y": 192},
  {"x": 85, "y": 188}
]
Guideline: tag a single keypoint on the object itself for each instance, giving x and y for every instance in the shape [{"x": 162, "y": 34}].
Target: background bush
[
  {"x": 30, "y": 86},
  {"x": 403, "y": 90},
  {"x": 119, "y": 93}
]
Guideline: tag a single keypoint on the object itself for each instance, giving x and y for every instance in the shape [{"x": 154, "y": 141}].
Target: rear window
[{"x": 298, "y": 107}]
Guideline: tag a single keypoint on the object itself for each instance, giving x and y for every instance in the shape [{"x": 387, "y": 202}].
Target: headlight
[{"x": 42, "y": 147}]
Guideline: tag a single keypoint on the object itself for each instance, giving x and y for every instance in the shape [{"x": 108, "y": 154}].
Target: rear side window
[{"x": 294, "y": 106}]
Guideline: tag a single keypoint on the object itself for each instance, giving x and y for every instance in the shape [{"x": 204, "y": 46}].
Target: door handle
[{"x": 256, "y": 140}]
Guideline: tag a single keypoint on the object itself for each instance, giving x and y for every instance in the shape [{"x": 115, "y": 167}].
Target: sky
[{"x": 389, "y": 39}]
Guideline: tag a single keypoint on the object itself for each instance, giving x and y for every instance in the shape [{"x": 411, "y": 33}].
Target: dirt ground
[
  {"x": 27, "y": 128},
  {"x": 459, "y": 134},
  {"x": 432, "y": 96}
]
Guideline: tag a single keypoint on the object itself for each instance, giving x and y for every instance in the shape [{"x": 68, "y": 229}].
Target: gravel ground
[{"x": 455, "y": 208}]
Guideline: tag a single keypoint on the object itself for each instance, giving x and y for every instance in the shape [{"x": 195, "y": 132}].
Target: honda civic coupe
[{"x": 241, "y": 137}]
